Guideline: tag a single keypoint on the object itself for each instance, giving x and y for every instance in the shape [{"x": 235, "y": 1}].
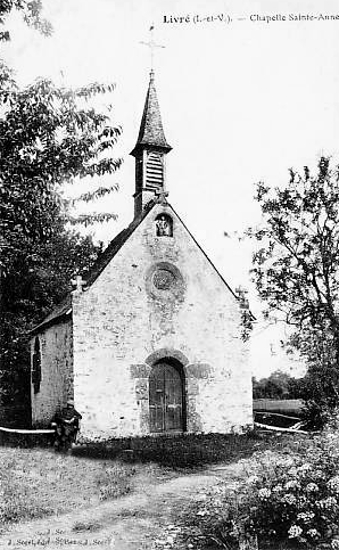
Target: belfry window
[
  {"x": 36, "y": 366},
  {"x": 164, "y": 226},
  {"x": 154, "y": 171}
]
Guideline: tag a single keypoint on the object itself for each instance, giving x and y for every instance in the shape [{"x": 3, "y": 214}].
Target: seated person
[{"x": 67, "y": 426}]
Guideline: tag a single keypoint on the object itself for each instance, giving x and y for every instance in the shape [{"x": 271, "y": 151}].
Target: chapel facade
[{"x": 151, "y": 343}]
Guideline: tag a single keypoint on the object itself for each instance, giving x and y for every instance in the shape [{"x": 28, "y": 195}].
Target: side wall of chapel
[
  {"x": 123, "y": 324},
  {"x": 56, "y": 386}
]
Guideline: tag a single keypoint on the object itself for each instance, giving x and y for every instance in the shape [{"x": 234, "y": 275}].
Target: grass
[
  {"x": 177, "y": 452},
  {"x": 37, "y": 482}
]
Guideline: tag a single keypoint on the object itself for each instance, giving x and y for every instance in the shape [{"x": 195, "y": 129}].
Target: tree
[
  {"x": 296, "y": 268},
  {"x": 30, "y": 11},
  {"x": 48, "y": 136},
  {"x": 48, "y": 139},
  {"x": 279, "y": 385}
]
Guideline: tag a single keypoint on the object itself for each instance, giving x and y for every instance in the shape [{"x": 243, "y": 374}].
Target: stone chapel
[{"x": 151, "y": 342}]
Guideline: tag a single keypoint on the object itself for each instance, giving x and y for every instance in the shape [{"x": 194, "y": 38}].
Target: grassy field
[
  {"x": 38, "y": 482},
  {"x": 290, "y": 407}
]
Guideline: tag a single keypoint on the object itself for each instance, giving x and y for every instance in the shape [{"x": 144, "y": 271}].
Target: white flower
[
  {"x": 289, "y": 498},
  {"x": 334, "y": 484},
  {"x": 306, "y": 517},
  {"x": 294, "y": 531},
  {"x": 293, "y": 484},
  {"x": 305, "y": 467},
  {"x": 313, "y": 533},
  {"x": 311, "y": 488},
  {"x": 285, "y": 462},
  {"x": 252, "y": 479},
  {"x": 277, "y": 489},
  {"x": 335, "y": 544},
  {"x": 264, "y": 493},
  {"x": 327, "y": 503}
]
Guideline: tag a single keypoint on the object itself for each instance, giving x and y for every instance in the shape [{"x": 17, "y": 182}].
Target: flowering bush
[{"x": 291, "y": 496}]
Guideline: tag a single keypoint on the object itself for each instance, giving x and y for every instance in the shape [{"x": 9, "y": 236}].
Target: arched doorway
[{"x": 166, "y": 397}]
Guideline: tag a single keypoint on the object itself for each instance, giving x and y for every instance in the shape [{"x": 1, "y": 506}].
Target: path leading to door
[{"x": 133, "y": 522}]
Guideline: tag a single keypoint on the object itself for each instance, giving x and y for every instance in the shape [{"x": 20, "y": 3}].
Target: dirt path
[{"x": 132, "y": 522}]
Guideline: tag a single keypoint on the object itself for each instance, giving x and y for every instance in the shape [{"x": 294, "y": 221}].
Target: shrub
[
  {"x": 318, "y": 415},
  {"x": 291, "y": 497}
]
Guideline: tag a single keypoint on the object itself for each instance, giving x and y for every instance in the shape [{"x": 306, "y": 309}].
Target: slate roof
[
  {"x": 61, "y": 311},
  {"x": 115, "y": 245},
  {"x": 151, "y": 131}
]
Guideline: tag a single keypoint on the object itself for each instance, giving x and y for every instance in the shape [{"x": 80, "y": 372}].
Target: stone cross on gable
[
  {"x": 152, "y": 45},
  {"x": 78, "y": 282},
  {"x": 161, "y": 195}
]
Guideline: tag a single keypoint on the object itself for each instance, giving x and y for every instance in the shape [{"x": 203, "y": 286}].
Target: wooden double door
[{"x": 166, "y": 399}]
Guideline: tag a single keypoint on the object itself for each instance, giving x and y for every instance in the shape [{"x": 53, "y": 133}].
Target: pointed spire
[
  {"x": 151, "y": 133},
  {"x": 150, "y": 154}
]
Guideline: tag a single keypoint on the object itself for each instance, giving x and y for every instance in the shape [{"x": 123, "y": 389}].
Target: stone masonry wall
[
  {"x": 56, "y": 386},
  {"x": 159, "y": 297}
]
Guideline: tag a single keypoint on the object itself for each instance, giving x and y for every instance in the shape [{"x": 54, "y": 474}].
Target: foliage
[
  {"x": 296, "y": 268},
  {"x": 246, "y": 315},
  {"x": 279, "y": 385},
  {"x": 48, "y": 136},
  {"x": 37, "y": 278},
  {"x": 320, "y": 395},
  {"x": 316, "y": 389},
  {"x": 30, "y": 11},
  {"x": 292, "y": 496}
]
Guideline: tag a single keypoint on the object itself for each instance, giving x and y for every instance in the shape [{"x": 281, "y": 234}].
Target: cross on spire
[
  {"x": 78, "y": 282},
  {"x": 161, "y": 195},
  {"x": 152, "y": 45}
]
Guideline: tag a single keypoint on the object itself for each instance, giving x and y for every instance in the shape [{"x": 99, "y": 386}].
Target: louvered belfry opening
[{"x": 154, "y": 171}]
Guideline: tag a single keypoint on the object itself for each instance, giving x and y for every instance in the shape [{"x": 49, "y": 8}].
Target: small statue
[{"x": 163, "y": 227}]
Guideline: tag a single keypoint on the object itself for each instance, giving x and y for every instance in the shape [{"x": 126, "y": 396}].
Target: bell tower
[{"x": 150, "y": 152}]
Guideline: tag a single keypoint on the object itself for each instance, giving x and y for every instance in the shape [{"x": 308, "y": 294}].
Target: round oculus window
[
  {"x": 163, "y": 279},
  {"x": 164, "y": 282}
]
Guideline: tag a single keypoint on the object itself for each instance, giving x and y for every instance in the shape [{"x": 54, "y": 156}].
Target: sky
[{"x": 247, "y": 89}]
